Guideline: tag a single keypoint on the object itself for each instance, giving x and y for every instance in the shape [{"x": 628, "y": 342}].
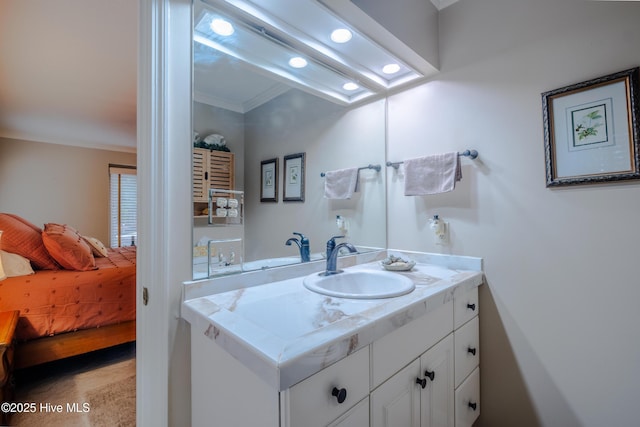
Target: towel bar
[
  {"x": 472, "y": 154},
  {"x": 377, "y": 168}
]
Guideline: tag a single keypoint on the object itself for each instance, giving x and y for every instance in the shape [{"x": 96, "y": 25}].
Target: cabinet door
[
  {"x": 358, "y": 416},
  {"x": 212, "y": 169},
  {"x": 396, "y": 403},
  {"x": 437, "y": 398},
  {"x": 200, "y": 175},
  {"x": 221, "y": 170}
]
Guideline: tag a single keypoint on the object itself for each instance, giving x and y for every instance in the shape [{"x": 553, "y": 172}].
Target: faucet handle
[
  {"x": 331, "y": 244},
  {"x": 299, "y": 234}
]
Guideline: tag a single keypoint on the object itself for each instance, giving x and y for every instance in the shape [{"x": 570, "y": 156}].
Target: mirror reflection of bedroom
[{"x": 68, "y": 212}]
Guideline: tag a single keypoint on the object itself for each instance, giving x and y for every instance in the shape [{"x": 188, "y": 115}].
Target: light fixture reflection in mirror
[{"x": 271, "y": 56}]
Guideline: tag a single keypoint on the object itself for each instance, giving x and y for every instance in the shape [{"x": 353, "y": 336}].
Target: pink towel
[
  {"x": 431, "y": 174},
  {"x": 341, "y": 184}
]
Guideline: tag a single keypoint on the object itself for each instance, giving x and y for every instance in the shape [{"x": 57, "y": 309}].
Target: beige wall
[
  {"x": 208, "y": 119},
  {"x": 559, "y": 315},
  {"x": 57, "y": 183},
  {"x": 332, "y": 137}
]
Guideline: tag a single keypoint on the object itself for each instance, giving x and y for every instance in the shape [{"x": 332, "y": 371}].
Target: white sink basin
[{"x": 360, "y": 284}]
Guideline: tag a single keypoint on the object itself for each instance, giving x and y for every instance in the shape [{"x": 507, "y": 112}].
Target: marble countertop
[{"x": 285, "y": 332}]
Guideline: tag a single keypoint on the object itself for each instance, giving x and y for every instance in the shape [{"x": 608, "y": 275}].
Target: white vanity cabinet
[{"x": 410, "y": 368}]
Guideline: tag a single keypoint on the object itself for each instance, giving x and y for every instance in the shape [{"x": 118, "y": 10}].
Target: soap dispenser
[
  {"x": 439, "y": 228},
  {"x": 343, "y": 224}
]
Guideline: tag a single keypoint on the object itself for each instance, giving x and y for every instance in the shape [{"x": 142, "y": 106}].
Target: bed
[{"x": 65, "y": 312}]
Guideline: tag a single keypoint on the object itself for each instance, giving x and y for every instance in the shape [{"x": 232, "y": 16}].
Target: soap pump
[
  {"x": 439, "y": 228},
  {"x": 342, "y": 224}
]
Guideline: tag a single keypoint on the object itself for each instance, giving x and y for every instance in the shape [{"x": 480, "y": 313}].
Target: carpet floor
[{"x": 97, "y": 389}]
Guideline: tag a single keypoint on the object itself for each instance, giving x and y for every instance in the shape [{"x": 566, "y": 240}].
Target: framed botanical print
[
  {"x": 269, "y": 180},
  {"x": 591, "y": 130},
  {"x": 293, "y": 185}
]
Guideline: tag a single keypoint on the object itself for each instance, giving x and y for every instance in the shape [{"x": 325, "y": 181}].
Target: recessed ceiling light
[
  {"x": 341, "y": 35},
  {"x": 350, "y": 86},
  {"x": 391, "y": 68},
  {"x": 222, "y": 27},
  {"x": 298, "y": 62}
]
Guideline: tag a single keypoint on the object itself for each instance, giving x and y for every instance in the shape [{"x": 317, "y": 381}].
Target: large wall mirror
[{"x": 265, "y": 119}]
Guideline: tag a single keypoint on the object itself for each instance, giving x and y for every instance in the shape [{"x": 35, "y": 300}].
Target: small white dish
[
  {"x": 399, "y": 265},
  {"x": 394, "y": 263}
]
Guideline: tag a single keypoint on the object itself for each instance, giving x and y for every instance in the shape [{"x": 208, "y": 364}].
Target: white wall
[
  {"x": 44, "y": 183},
  {"x": 559, "y": 345},
  {"x": 332, "y": 137}
]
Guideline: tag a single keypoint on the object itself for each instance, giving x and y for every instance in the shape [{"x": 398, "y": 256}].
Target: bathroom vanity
[{"x": 267, "y": 351}]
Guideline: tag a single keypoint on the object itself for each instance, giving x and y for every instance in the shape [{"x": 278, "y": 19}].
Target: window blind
[{"x": 123, "y": 206}]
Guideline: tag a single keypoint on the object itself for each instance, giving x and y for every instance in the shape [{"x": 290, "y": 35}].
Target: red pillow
[
  {"x": 68, "y": 247},
  {"x": 25, "y": 239}
]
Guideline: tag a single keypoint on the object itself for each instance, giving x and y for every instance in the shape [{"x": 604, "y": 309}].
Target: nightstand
[{"x": 8, "y": 322}]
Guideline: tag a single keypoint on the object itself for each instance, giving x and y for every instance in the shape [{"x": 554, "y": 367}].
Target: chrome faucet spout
[
  {"x": 293, "y": 240},
  {"x": 332, "y": 257},
  {"x": 303, "y": 246}
]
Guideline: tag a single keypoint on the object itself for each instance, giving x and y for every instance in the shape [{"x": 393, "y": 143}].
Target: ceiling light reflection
[
  {"x": 391, "y": 68},
  {"x": 341, "y": 35},
  {"x": 222, "y": 27},
  {"x": 298, "y": 62}
]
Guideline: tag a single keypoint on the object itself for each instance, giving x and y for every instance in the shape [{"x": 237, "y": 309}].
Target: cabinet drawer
[
  {"x": 311, "y": 403},
  {"x": 467, "y": 350},
  {"x": 465, "y": 307},
  {"x": 468, "y": 400},
  {"x": 395, "y": 350}
]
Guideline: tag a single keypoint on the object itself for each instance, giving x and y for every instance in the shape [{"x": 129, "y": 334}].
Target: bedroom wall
[
  {"x": 58, "y": 183},
  {"x": 558, "y": 312}
]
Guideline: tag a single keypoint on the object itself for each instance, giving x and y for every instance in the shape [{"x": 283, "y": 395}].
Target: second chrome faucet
[{"x": 303, "y": 245}]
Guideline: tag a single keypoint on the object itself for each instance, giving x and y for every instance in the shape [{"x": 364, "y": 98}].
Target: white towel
[
  {"x": 341, "y": 184},
  {"x": 431, "y": 174}
]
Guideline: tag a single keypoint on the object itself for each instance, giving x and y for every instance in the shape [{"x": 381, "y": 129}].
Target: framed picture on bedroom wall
[
  {"x": 293, "y": 185},
  {"x": 269, "y": 180},
  {"x": 591, "y": 131}
]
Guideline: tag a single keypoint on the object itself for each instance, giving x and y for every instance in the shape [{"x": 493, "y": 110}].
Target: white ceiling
[{"x": 68, "y": 71}]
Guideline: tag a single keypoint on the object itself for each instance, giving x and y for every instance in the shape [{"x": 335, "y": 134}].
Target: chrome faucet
[
  {"x": 332, "y": 254},
  {"x": 303, "y": 246}
]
